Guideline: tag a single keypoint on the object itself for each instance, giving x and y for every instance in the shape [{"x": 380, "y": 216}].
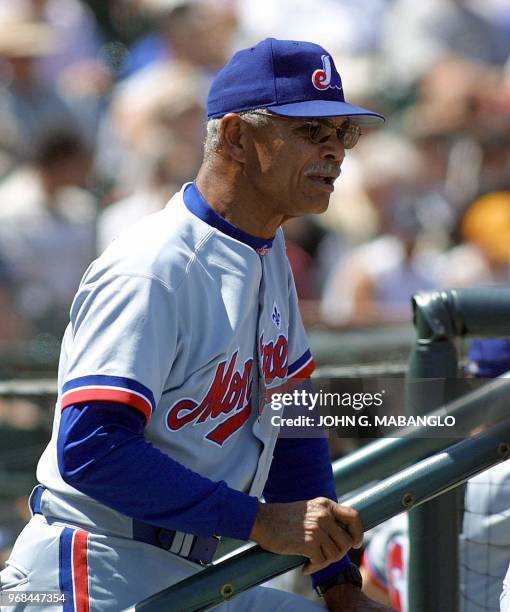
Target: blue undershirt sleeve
[
  {"x": 301, "y": 469},
  {"x": 102, "y": 452}
]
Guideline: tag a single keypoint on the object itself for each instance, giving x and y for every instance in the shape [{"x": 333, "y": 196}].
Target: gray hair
[{"x": 212, "y": 142}]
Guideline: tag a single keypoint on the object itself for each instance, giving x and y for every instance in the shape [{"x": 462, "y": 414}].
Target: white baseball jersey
[
  {"x": 484, "y": 546},
  {"x": 185, "y": 318}
]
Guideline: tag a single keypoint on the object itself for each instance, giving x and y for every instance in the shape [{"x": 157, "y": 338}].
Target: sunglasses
[{"x": 319, "y": 132}]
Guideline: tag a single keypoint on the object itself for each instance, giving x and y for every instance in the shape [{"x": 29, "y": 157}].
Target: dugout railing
[
  {"x": 407, "y": 489},
  {"x": 440, "y": 318}
]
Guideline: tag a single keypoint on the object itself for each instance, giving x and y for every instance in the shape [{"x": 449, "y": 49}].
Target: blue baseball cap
[
  {"x": 287, "y": 77},
  {"x": 489, "y": 357}
]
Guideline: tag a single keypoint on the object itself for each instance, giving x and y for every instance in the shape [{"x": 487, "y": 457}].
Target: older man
[{"x": 179, "y": 334}]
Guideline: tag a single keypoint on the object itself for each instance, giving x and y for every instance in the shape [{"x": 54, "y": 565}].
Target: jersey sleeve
[
  {"x": 121, "y": 343},
  {"x": 300, "y": 359},
  {"x": 98, "y": 445}
]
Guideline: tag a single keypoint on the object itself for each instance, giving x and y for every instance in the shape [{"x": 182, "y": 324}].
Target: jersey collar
[{"x": 198, "y": 205}]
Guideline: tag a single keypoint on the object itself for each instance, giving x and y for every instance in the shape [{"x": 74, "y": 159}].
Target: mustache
[{"x": 324, "y": 168}]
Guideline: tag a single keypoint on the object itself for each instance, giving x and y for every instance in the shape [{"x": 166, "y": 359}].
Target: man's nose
[{"x": 333, "y": 149}]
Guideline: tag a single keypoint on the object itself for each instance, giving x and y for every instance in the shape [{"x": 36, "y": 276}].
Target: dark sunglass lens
[
  {"x": 349, "y": 135},
  {"x": 318, "y": 132}
]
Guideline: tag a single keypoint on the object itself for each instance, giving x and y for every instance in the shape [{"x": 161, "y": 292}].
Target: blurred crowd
[{"x": 102, "y": 120}]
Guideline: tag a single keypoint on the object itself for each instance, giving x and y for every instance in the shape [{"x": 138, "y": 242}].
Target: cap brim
[{"x": 327, "y": 108}]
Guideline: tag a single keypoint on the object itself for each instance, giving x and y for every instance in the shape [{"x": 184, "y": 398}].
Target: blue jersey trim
[
  {"x": 294, "y": 367},
  {"x": 66, "y": 569},
  {"x": 198, "y": 205},
  {"x": 102, "y": 380},
  {"x": 301, "y": 469}
]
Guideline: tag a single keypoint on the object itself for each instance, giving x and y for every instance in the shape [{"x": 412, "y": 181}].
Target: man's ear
[{"x": 233, "y": 137}]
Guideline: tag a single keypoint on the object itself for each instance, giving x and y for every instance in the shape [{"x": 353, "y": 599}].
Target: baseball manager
[{"x": 178, "y": 333}]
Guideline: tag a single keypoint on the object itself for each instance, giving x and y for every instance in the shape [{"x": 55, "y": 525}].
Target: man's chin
[
  {"x": 321, "y": 205},
  {"x": 309, "y": 206}
]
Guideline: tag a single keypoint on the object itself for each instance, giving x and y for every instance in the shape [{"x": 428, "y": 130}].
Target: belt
[{"x": 186, "y": 545}]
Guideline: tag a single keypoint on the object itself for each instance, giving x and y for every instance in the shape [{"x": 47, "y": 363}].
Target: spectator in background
[
  {"x": 460, "y": 122},
  {"x": 74, "y": 25},
  {"x": 482, "y": 257},
  {"x": 342, "y": 26},
  {"x": 74, "y": 66},
  {"x": 162, "y": 132},
  {"x": 78, "y": 33},
  {"x": 81, "y": 74},
  {"x": 27, "y": 107},
  {"x": 196, "y": 32},
  {"x": 310, "y": 245},
  {"x": 458, "y": 131},
  {"x": 13, "y": 328},
  {"x": 372, "y": 283},
  {"x": 303, "y": 237},
  {"x": 494, "y": 145},
  {"x": 418, "y": 35},
  {"x": 47, "y": 228}
]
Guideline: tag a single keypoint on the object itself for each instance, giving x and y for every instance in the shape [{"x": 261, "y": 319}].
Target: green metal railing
[
  {"x": 486, "y": 406},
  {"x": 433, "y": 361},
  {"x": 407, "y": 489},
  {"x": 440, "y": 318},
  {"x": 384, "y": 457}
]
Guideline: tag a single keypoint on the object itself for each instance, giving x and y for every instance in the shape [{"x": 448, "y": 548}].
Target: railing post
[{"x": 434, "y": 526}]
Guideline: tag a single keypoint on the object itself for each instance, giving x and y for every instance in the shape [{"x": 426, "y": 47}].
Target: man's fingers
[
  {"x": 311, "y": 568},
  {"x": 302, "y": 528},
  {"x": 330, "y": 551},
  {"x": 350, "y": 520},
  {"x": 326, "y": 553},
  {"x": 342, "y": 540},
  {"x": 318, "y": 560}
]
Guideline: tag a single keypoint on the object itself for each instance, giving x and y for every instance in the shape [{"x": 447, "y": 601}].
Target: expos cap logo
[{"x": 322, "y": 77}]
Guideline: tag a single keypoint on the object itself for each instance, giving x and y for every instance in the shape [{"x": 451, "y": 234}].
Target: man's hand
[
  {"x": 349, "y": 598},
  {"x": 319, "y": 529}
]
